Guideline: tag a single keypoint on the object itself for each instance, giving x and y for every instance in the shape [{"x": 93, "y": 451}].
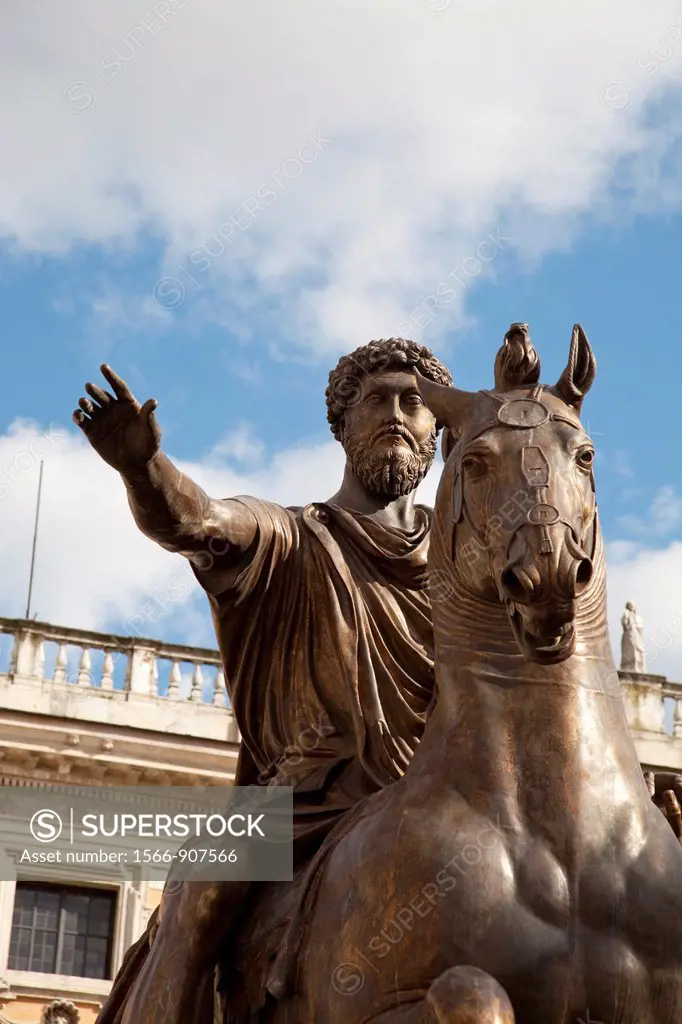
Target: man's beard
[{"x": 391, "y": 472}]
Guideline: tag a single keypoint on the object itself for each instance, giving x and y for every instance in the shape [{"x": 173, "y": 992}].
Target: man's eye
[
  {"x": 373, "y": 399},
  {"x": 414, "y": 400}
]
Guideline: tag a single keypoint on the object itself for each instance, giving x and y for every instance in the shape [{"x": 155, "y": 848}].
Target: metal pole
[{"x": 35, "y": 539}]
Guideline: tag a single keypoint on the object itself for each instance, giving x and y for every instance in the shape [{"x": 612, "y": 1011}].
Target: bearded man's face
[{"x": 389, "y": 435}]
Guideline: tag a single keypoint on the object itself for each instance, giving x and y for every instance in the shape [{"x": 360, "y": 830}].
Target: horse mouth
[{"x": 545, "y": 650}]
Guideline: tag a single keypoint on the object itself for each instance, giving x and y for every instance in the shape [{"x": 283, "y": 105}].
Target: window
[{"x": 62, "y": 930}]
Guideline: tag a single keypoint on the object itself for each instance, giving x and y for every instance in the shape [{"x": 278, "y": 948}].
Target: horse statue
[{"x": 518, "y": 873}]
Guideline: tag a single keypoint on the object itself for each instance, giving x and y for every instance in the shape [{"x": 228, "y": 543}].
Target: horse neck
[{"x": 521, "y": 739}]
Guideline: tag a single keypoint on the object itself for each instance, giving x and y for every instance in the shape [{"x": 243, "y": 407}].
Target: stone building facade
[{"x": 88, "y": 708}]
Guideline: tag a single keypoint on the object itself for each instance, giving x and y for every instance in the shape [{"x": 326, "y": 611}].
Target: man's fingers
[
  {"x": 148, "y": 411},
  {"x": 86, "y": 405},
  {"x": 81, "y": 420},
  {"x": 119, "y": 386},
  {"x": 148, "y": 408},
  {"x": 673, "y": 811},
  {"x": 101, "y": 396}
]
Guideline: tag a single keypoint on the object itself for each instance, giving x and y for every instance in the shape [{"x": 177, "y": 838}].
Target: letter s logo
[{"x": 46, "y": 826}]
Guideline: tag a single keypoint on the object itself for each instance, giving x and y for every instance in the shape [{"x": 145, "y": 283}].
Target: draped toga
[{"x": 327, "y": 645}]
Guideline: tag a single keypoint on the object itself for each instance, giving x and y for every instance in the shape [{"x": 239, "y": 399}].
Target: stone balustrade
[
  {"x": 171, "y": 688},
  {"x": 653, "y": 705},
  {"x": 117, "y": 680}
]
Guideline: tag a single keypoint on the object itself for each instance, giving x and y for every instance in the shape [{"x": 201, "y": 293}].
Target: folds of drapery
[{"x": 327, "y": 644}]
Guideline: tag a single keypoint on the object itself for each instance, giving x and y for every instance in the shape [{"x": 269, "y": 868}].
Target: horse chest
[
  {"x": 607, "y": 930},
  {"x": 542, "y": 886},
  {"x": 607, "y": 888},
  {"x": 527, "y": 911}
]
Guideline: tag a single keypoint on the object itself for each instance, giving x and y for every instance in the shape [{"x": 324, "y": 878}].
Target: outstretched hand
[
  {"x": 123, "y": 432},
  {"x": 665, "y": 789}
]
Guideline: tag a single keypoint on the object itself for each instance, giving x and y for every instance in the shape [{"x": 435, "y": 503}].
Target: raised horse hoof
[{"x": 466, "y": 995}]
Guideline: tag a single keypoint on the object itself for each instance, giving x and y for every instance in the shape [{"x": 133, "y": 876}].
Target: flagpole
[{"x": 35, "y": 540}]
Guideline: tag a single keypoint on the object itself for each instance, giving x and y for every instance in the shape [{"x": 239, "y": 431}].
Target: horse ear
[
  {"x": 449, "y": 405},
  {"x": 581, "y": 369},
  {"x": 448, "y": 442}
]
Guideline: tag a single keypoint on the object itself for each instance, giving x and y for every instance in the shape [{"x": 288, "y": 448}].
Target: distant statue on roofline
[{"x": 632, "y": 657}]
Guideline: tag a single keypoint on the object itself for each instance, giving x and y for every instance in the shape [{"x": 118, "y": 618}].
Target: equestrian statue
[{"x": 475, "y": 842}]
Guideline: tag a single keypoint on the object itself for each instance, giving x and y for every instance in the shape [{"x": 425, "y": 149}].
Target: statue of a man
[
  {"x": 323, "y": 621},
  {"x": 633, "y": 657},
  {"x": 323, "y": 618}
]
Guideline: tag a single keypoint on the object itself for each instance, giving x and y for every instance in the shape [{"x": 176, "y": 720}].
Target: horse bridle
[{"x": 525, "y": 414}]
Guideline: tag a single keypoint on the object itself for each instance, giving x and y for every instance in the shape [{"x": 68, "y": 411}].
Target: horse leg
[
  {"x": 175, "y": 983},
  {"x": 461, "y": 995}
]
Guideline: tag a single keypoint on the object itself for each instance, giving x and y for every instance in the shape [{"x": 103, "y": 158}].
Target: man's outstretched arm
[{"x": 168, "y": 507}]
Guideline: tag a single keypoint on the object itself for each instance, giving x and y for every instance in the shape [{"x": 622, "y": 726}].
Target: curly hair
[{"x": 387, "y": 355}]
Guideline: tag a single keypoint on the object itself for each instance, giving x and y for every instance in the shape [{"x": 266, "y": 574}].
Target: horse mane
[
  {"x": 442, "y": 534},
  {"x": 517, "y": 362}
]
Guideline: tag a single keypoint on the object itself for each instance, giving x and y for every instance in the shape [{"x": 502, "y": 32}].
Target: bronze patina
[
  {"x": 535, "y": 880},
  {"x": 322, "y": 616},
  {"x": 523, "y": 678}
]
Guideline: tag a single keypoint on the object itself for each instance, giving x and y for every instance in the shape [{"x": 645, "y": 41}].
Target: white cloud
[
  {"x": 240, "y": 444},
  {"x": 663, "y": 517},
  {"x": 123, "y": 118},
  {"x": 651, "y": 577}
]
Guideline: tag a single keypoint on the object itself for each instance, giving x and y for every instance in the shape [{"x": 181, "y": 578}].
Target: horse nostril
[
  {"x": 515, "y": 587},
  {"x": 583, "y": 574}
]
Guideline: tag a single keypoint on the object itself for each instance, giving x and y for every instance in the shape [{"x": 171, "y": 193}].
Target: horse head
[{"x": 516, "y": 510}]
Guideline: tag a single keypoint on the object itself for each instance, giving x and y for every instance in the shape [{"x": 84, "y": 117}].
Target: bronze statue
[
  {"x": 351, "y": 658},
  {"x": 323, "y": 619},
  {"x": 535, "y": 880}
]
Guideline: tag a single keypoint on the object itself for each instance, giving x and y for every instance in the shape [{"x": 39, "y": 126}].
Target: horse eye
[
  {"x": 586, "y": 458},
  {"x": 473, "y": 465}
]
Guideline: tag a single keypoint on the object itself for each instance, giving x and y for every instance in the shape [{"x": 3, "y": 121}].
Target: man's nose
[{"x": 395, "y": 410}]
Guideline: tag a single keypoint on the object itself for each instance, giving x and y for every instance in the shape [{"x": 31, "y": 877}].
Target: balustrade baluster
[
  {"x": 60, "y": 665},
  {"x": 197, "y": 691},
  {"x": 84, "y": 669},
  {"x": 107, "y": 682},
  {"x": 219, "y": 689},
  {"x": 174, "y": 684}
]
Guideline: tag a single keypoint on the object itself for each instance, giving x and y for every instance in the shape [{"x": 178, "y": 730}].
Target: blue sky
[
  {"x": 383, "y": 185},
  {"x": 621, "y": 284}
]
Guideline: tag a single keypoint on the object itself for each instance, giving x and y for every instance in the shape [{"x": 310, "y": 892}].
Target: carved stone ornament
[{"x": 60, "y": 1012}]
